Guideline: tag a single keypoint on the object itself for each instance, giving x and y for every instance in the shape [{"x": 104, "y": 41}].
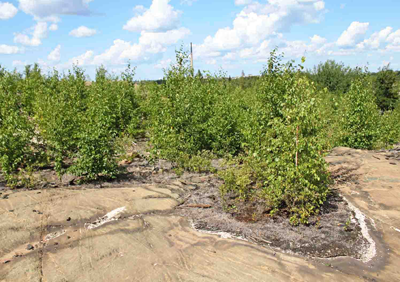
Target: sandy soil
[{"x": 131, "y": 230}]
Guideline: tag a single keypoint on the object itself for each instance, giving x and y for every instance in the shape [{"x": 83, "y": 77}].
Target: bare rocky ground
[{"x": 140, "y": 228}]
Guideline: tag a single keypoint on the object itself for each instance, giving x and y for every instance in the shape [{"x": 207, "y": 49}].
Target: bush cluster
[
  {"x": 274, "y": 129},
  {"x": 60, "y": 121}
]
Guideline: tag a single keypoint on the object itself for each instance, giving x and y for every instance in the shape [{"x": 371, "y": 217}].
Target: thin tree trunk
[{"x": 297, "y": 143}]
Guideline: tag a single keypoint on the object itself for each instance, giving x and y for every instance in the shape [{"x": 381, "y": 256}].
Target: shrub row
[
  {"x": 276, "y": 130},
  {"x": 58, "y": 120}
]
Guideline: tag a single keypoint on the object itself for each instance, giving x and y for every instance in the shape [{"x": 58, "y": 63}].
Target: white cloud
[
  {"x": 83, "y": 31},
  {"x": 159, "y": 17},
  {"x": 317, "y": 46},
  {"x": 53, "y": 27},
  {"x": 318, "y": 40},
  {"x": 342, "y": 53},
  {"x": 376, "y": 39},
  {"x": 18, "y": 63},
  {"x": 163, "y": 64},
  {"x": 55, "y": 55},
  {"x": 39, "y": 32},
  {"x": 320, "y": 5},
  {"x": 188, "y": 2},
  {"x": 8, "y": 50},
  {"x": 342, "y": 6},
  {"x": 211, "y": 62},
  {"x": 82, "y": 60},
  {"x": 393, "y": 48},
  {"x": 229, "y": 56},
  {"x": 156, "y": 41},
  {"x": 353, "y": 35},
  {"x": 49, "y": 10},
  {"x": 117, "y": 52},
  {"x": 242, "y": 2},
  {"x": 258, "y": 22},
  {"x": 7, "y": 11},
  {"x": 150, "y": 44},
  {"x": 394, "y": 38}
]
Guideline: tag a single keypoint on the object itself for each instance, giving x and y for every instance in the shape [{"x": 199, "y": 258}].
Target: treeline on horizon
[
  {"x": 273, "y": 130},
  {"x": 320, "y": 74}
]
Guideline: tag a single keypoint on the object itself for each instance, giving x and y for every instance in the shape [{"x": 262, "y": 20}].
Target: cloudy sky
[{"x": 232, "y": 35}]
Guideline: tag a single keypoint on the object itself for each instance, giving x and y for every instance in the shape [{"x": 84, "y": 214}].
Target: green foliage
[
  {"x": 336, "y": 77},
  {"x": 361, "y": 119},
  {"x": 59, "y": 120},
  {"x": 274, "y": 129},
  {"x": 386, "y": 93},
  {"x": 285, "y": 167},
  {"x": 389, "y": 129},
  {"x": 189, "y": 114},
  {"x": 16, "y": 130},
  {"x": 59, "y": 106}
]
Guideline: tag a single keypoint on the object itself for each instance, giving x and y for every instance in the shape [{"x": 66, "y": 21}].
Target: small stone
[
  {"x": 68, "y": 179},
  {"x": 68, "y": 219},
  {"x": 68, "y": 237},
  {"x": 7, "y": 261},
  {"x": 30, "y": 247},
  {"x": 34, "y": 210},
  {"x": 56, "y": 243},
  {"x": 11, "y": 210}
]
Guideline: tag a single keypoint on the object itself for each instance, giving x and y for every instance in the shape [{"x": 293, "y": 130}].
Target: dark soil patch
[{"x": 331, "y": 234}]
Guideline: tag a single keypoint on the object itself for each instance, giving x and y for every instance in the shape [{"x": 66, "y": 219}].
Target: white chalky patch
[
  {"x": 370, "y": 252},
  {"x": 223, "y": 235},
  {"x": 111, "y": 216},
  {"x": 395, "y": 229},
  {"x": 54, "y": 235},
  {"x": 373, "y": 223}
]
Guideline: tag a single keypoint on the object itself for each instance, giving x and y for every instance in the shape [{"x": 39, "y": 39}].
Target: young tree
[
  {"x": 360, "y": 122},
  {"x": 199, "y": 74},
  {"x": 284, "y": 167},
  {"x": 386, "y": 94},
  {"x": 336, "y": 77}
]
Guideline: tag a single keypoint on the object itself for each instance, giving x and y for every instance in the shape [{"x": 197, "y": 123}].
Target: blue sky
[{"x": 232, "y": 35}]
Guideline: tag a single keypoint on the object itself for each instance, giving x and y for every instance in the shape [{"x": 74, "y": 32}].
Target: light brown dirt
[{"x": 146, "y": 241}]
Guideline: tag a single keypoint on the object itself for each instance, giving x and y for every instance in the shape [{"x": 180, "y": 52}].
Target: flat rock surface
[{"x": 132, "y": 233}]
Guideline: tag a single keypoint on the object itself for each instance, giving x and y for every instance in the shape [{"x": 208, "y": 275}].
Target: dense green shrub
[
  {"x": 387, "y": 95},
  {"x": 16, "y": 129},
  {"x": 274, "y": 128},
  {"x": 361, "y": 120},
  {"x": 285, "y": 167},
  {"x": 58, "y": 119},
  {"x": 190, "y": 114},
  {"x": 389, "y": 128},
  {"x": 59, "y": 106},
  {"x": 98, "y": 128},
  {"x": 336, "y": 77},
  {"x": 111, "y": 111}
]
